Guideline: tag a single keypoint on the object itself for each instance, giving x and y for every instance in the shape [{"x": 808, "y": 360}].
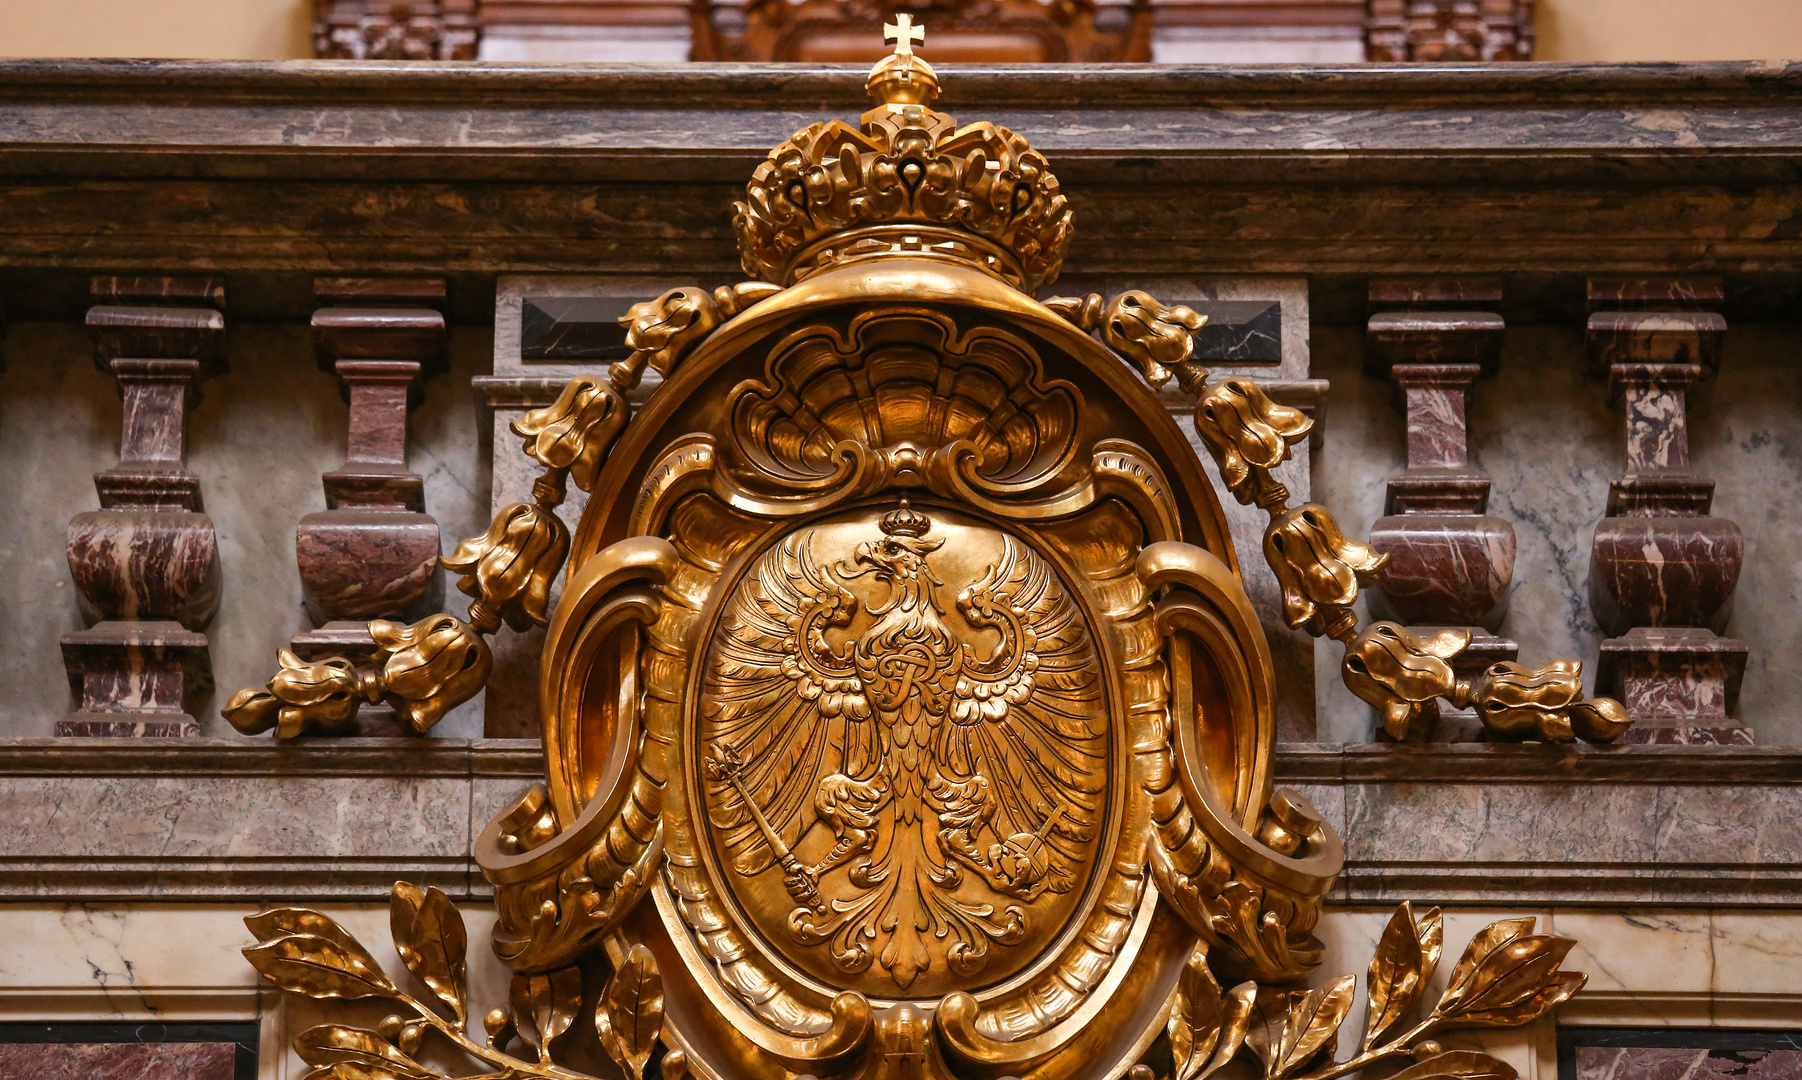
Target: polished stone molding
[
  {"x": 1491, "y": 823},
  {"x": 541, "y": 168},
  {"x": 119, "y": 1060},
  {"x": 112, "y": 819},
  {"x": 122, "y": 820}
]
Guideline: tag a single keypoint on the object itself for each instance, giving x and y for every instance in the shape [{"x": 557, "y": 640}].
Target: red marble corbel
[
  {"x": 1662, "y": 572},
  {"x": 1450, "y": 563},
  {"x": 146, "y": 564},
  {"x": 373, "y": 552}
]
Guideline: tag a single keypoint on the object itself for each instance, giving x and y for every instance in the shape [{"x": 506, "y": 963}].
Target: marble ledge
[
  {"x": 98, "y": 820},
  {"x": 1538, "y": 763},
  {"x": 521, "y": 759},
  {"x": 1296, "y": 763}
]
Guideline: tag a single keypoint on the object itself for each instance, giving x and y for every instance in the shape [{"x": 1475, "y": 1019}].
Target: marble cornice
[
  {"x": 474, "y": 170},
  {"x": 1490, "y": 763},
  {"x": 746, "y": 86},
  {"x": 105, "y": 820},
  {"x": 710, "y": 123},
  {"x": 1296, "y": 763},
  {"x": 520, "y": 759}
]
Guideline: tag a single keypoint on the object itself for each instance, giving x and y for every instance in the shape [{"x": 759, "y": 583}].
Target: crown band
[{"x": 913, "y": 240}]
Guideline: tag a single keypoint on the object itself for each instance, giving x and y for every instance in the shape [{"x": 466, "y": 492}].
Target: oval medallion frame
[{"x": 1068, "y": 918}]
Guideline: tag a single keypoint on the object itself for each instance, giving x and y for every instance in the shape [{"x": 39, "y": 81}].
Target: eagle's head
[{"x": 894, "y": 558}]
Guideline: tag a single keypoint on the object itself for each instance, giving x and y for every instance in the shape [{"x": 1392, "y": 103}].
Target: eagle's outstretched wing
[
  {"x": 1029, "y": 716},
  {"x": 788, "y": 706}
]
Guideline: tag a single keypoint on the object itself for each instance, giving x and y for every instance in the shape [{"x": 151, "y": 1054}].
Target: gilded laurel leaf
[
  {"x": 321, "y": 967},
  {"x": 431, "y": 941},
  {"x": 1234, "y": 1027},
  {"x": 1430, "y": 928},
  {"x": 544, "y": 1007},
  {"x": 1269, "y": 1016},
  {"x": 1493, "y": 936},
  {"x": 1206, "y": 1028},
  {"x": 1313, "y": 1021},
  {"x": 343, "y": 1053},
  {"x": 1398, "y": 974},
  {"x": 629, "y": 1018},
  {"x": 1508, "y": 975},
  {"x": 280, "y": 922},
  {"x": 1458, "y": 1065},
  {"x": 1195, "y": 1016}
]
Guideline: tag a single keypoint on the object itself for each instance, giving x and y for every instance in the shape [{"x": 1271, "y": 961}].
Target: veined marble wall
[
  {"x": 176, "y": 962},
  {"x": 259, "y": 440},
  {"x": 1545, "y": 434}
]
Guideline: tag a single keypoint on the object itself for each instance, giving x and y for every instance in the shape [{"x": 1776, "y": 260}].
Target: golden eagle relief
[{"x": 904, "y": 750}]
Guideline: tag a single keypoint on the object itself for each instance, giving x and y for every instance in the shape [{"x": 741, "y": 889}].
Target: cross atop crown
[{"x": 904, "y": 34}]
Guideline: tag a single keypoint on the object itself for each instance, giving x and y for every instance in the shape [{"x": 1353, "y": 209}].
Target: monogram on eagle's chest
[{"x": 904, "y": 750}]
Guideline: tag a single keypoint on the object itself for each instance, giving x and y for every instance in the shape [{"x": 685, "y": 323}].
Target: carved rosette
[{"x": 903, "y": 694}]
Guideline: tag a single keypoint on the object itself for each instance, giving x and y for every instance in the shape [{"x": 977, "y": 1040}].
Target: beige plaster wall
[
  {"x": 1628, "y": 30},
  {"x": 1572, "y": 30},
  {"x": 194, "y": 29}
]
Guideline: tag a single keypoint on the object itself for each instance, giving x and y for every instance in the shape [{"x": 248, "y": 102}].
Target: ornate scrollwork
[{"x": 903, "y": 689}]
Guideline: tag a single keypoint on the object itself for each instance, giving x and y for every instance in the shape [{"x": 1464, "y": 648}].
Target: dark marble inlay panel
[
  {"x": 562, "y": 328},
  {"x": 82, "y": 1051},
  {"x": 1239, "y": 331},
  {"x": 1677, "y": 1054},
  {"x": 118, "y": 1061}
]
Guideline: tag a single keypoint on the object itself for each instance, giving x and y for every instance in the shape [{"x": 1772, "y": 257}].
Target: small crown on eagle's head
[
  {"x": 904, "y": 520},
  {"x": 908, "y": 182}
]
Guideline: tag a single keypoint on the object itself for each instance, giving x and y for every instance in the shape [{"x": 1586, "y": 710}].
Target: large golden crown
[{"x": 908, "y": 183}]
